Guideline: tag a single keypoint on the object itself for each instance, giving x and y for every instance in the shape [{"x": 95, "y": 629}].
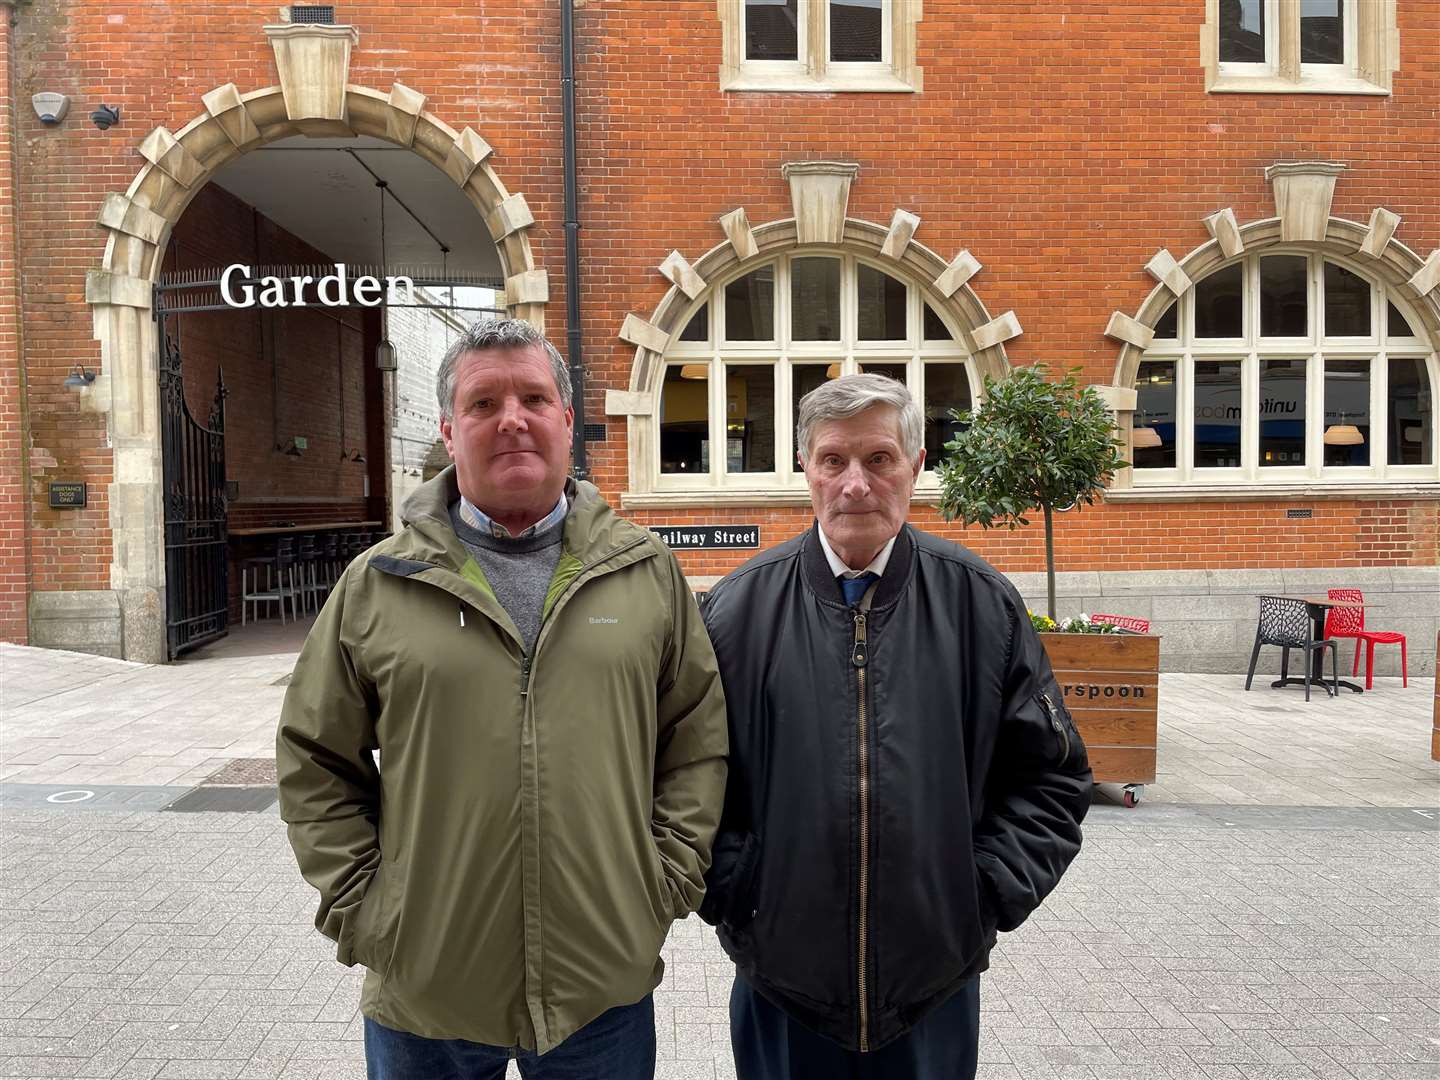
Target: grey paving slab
[{"x": 181, "y": 945}]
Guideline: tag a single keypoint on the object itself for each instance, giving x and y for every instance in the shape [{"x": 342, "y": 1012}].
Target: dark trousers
[
  {"x": 769, "y": 1045},
  {"x": 619, "y": 1044}
]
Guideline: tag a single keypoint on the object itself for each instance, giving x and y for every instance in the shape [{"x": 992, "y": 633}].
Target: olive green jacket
[{"x": 535, "y": 823}]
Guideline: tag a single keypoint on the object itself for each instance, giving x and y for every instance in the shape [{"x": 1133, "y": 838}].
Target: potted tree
[{"x": 1035, "y": 443}]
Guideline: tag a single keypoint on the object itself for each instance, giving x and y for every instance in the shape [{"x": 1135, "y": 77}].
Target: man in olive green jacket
[{"x": 550, "y": 762}]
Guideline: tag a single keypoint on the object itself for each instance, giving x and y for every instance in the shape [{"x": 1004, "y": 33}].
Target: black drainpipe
[{"x": 572, "y": 237}]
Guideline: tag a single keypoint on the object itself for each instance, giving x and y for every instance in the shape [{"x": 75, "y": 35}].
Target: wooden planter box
[{"x": 1111, "y": 684}]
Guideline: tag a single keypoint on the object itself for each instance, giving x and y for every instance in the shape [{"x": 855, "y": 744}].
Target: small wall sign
[
  {"x": 708, "y": 537},
  {"x": 66, "y": 495}
]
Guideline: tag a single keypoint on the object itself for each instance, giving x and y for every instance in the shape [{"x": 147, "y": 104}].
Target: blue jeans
[
  {"x": 768, "y": 1045},
  {"x": 619, "y": 1044}
]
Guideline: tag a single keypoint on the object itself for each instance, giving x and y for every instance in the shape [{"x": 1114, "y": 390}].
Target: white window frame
[
  {"x": 914, "y": 352},
  {"x": 1184, "y": 350},
  {"x": 812, "y": 70},
  {"x": 1371, "y": 53}
]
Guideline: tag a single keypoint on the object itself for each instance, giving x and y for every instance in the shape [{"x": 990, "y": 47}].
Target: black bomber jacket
[{"x": 903, "y": 782}]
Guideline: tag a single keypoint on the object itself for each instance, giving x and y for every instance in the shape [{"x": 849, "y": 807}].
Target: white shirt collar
[
  {"x": 477, "y": 519},
  {"x": 839, "y": 569}
]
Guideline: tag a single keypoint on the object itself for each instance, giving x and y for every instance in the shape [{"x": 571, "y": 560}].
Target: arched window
[
  {"x": 1285, "y": 367},
  {"x": 754, "y": 344}
]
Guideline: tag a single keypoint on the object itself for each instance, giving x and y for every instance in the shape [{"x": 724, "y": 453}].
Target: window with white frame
[
  {"x": 754, "y": 345},
  {"x": 1285, "y": 367},
  {"x": 1300, "y": 46},
  {"x": 863, "y": 45}
]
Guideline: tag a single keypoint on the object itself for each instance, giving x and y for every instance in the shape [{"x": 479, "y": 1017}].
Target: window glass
[
  {"x": 698, "y": 328},
  {"x": 815, "y": 299},
  {"x": 772, "y": 29},
  {"x": 893, "y": 371},
  {"x": 1322, "y": 31},
  {"x": 1282, "y": 412},
  {"x": 1242, "y": 31},
  {"x": 1219, "y": 307},
  {"x": 881, "y": 304},
  {"x": 947, "y": 389},
  {"x": 1282, "y": 296},
  {"x": 935, "y": 328},
  {"x": 1397, "y": 325},
  {"x": 1346, "y": 438},
  {"x": 1169, "y": 322},
  {"x": 685, "y": 419},
  {"x": 857, "y": 32},
  {"x": 803, "y": 379},
  {"x": 1154, "y": 424},
  {"x": 750, "y": 418},
  {"x": 1217, "y": 414},
  {"x": 1347, "y": 303},
  {"x": 1411, "y": 419},
  {"x": 750, "y": 306}
]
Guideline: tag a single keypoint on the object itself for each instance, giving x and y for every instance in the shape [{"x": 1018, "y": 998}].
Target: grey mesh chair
[{"x": 1287, "y": 623}]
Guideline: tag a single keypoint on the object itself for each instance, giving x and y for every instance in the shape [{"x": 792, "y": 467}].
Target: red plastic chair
[
  {"x": 1350, "y": 623},
  {"x": 1131, "y": 623}
]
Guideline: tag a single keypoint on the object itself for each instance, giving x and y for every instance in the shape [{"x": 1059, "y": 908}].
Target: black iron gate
[{"x": 197, "y": 577}]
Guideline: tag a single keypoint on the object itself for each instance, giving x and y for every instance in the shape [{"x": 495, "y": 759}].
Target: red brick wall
[
  {"x": 1062, "y": 144},
  {"x": 14, "y": 563}
]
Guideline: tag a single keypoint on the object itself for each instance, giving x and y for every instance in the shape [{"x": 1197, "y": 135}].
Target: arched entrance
[{"x": 312, "y": 100}]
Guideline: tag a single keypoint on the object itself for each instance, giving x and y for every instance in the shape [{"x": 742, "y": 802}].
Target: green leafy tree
[{"x": 1032, "y": 444}]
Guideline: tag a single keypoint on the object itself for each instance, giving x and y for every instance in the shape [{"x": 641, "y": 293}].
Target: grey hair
[
  {"x": 853, "y": 394},
  {"x": 490, "y": 334}
]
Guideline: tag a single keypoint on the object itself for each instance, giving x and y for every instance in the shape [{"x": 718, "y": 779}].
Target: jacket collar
[
  {"x": 592, "y": 529},
  {"x": 816, "y": 569}
]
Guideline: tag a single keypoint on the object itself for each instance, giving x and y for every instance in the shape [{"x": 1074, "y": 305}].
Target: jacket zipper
[
  {"x": 859, "y": 657},
  {"x": 1058, "y": 726},
  {"x": 525, "y": 675}
]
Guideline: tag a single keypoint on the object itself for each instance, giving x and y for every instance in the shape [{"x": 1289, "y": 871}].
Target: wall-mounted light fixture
[
  {"x": 79, "y": 378},
  {"x": 105, "y": 117},
  {"x": 50, "y": 107},
  {"x": 358, "y": 456}
]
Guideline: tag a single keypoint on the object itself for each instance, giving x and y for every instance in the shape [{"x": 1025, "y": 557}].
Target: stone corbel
[
  {"x": 820, "y": 195},
  {"x": 1226, "y": 231},
  {"x": 530, "y": 287},
  {"x": 629, "y": 403},
  {"x": 405, "y": 108},
  {"x": 1427, "y": 278},
  {"x": 996, "y": 331},
  {"x": 230, "y": 112},
  {"x": 1164, "y": 269},
  {"x": 643, "y": 335},
  {"x": 313, "y": 60},
  {"x": 1303, "y": 193},
  {"x": 961, "y": 269},
  {"x": 1123, "y": 328},
  {"x": 1118, "y": 399},
  {"x": 737, "y": 231},
  {"x": 468, "y": 151},
  {"x": 165, "y": 152},
  {"x": 902, "y": 228},
  {"x": 1382, "y": 227},
  {"x": 682, "y": 275},
  {"x": 511, "y": 215},
  {"x": 119, "y": 213},
  {"x": 103, "y": 287}
]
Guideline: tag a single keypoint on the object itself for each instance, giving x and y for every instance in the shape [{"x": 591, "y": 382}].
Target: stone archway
[
  {"x": 313, "y": 98},
  {"x": 1303, "y": 195},
  {"x": 820, "y": 196}
]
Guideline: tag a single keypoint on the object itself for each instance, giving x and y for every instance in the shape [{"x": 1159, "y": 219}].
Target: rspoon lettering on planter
[
  {"x": 331, "y": 290},
  {"x": 1090, "y": 691}
]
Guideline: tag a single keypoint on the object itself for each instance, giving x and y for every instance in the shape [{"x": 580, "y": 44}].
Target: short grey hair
[
  {"x": 850, "y": 395},
  {"x": 490, "y": 334}
]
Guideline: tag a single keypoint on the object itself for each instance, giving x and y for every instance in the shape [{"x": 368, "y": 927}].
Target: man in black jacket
[{"x": 904, "y": 777}]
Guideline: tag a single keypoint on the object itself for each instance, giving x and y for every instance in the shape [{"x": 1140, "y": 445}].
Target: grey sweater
[{"x": 519, "y": 571}]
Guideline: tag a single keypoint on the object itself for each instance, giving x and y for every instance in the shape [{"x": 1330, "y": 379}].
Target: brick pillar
[{"x": 14, "y": 507}]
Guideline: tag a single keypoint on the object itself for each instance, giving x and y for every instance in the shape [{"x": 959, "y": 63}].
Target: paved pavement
[{"x": 1270, "y": 910}]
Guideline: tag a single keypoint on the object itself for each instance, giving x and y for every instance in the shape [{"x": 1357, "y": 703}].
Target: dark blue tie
[{"x": 854, "y": 587}]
